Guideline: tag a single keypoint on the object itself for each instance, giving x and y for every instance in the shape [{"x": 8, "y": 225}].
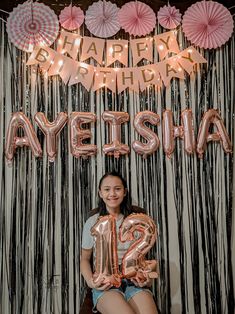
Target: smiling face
[{"x": 112, "y": 192}]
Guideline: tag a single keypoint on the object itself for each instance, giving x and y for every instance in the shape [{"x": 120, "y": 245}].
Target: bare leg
[
  {"x": 113, "y": 302},
  {"x": 143, "y": 303}
]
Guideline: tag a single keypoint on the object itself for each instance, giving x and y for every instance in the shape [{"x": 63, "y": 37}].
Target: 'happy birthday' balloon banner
[
  {"x": 116, "y": 79},
  {"x": 115, "y": 119}
]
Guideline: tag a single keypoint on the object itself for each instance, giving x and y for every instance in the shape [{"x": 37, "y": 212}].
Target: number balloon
[
  {"x": 134, "y": 264},
  {"x": 106, "y": 261}
]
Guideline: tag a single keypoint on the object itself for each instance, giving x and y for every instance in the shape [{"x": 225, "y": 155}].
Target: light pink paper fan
[
  {"x": 169, "y": 17},
  {"x": 31, "y": 24},
  {"x": 101, "y": 19},
  {"x": 137, "y": 18},
  {"x": 71, "y": 17},
  {"x": 207, "y": 24}
]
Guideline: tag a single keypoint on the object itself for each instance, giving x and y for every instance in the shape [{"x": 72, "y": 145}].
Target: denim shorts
[{"x": 127, "y": 289}]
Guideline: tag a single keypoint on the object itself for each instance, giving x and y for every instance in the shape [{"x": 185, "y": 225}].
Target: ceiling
[{"x": 58, "y": 5}]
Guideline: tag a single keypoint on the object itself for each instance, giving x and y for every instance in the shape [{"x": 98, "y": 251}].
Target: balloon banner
[{"x": 115, "y": 119}]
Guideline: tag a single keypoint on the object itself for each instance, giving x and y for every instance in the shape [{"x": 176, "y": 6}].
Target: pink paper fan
[
  {"x": 169, "y": 17},
  {"x": 71, "y": 17},
  {"x": 101, "y": 19},
  {"x": 137, "y": 18},
  {"x": 207, "y": 24},
  {"x": 31, "y": 24}
]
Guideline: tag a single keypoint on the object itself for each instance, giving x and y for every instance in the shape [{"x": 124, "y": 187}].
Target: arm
[
  {"x": 86, "y": 266},
  {"x": 87, "y": 271}
]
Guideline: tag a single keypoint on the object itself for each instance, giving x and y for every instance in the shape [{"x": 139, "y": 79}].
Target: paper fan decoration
[
  {"x": 137, "y": 18},
  {"x": 71, "y": 17},
  {"x": 101, "y": 19},
  {"x": 169, "y": 17},
  {"x": 207, "y": 24},
  {"x": 31, "y": 24}
]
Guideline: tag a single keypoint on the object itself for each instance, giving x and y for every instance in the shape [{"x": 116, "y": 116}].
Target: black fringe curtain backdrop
[{"x": 44, "y": 205}]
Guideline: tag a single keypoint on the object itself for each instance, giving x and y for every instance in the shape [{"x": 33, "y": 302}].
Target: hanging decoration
[
  {"x": 13, "y": 141},
  {"x": 51, "y": 131},
  {"x": 152, "y": 139},
  {"x": 78, "y": 134},
  {"x": 115, "y": 121},
  {"x": 101, "y": 19},
  {"x": 212, "y": 117},
  {"x": 169, "y": 17},
  {"x": 118, "y": 79},
  {"x": 137, "y": 18},
  {"x": 207, "y": 24},
  {"x": 71, "y": 17},
  {"x": 31, "y": 24}
]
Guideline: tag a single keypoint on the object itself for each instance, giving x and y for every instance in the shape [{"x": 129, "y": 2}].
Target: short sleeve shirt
[{"x": 88, "y": 241}]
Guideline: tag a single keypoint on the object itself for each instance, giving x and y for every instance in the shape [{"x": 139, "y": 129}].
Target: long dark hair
[{"x": 126, "y": 208}]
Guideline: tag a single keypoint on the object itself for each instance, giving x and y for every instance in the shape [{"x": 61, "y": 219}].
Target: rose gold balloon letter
[
  {"x": 19, "y": 120},
  {"x": 152, "y": 139},
  {"x": 78, "y": 134},
  {"x": 115, "y": 119},
  {"x": 212, "y": 117},
  {"x": 51, "y": 131},
  {"x": 171, "y": 132}
]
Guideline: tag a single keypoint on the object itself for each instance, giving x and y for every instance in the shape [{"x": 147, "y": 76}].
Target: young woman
[{"x": 132, "y": 297}]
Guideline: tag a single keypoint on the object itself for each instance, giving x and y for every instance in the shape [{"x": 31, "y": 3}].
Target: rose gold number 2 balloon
[
  {"x": 106, "y": 261},
  {"x": 134, "y": 264}
]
